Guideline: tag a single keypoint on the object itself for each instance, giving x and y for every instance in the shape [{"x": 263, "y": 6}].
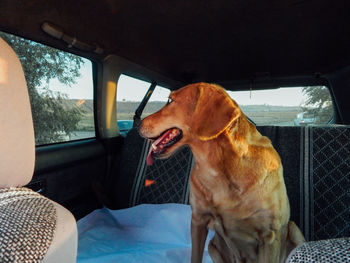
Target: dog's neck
[
  {"x": 229, "y": 147},
  {"x": 233, "y": 141}
]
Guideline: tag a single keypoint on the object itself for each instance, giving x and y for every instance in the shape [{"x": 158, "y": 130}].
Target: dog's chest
[
  {"x": 210, "y": 199},
  {"x": 223, "y": 201}
]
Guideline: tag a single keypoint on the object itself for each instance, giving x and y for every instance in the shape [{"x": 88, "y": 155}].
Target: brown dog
[{"x": 237, "y": 186}]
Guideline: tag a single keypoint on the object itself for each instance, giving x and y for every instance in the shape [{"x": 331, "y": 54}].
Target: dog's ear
[{"x": 214, "y": 112}]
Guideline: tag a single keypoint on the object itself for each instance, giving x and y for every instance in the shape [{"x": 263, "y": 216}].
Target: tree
[
  {"x": 319, "y": 102},
  {"x": 42, "y": 63}
]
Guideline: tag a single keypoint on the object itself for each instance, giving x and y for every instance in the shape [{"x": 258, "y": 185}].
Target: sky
[
  {"x": 277, "y": 97},
  {"x": 131, "y": 89},
  {"x": 83, "y": 89}
]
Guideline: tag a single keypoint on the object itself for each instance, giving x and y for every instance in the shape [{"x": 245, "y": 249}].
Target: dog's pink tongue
[{"x": 150, "y": 159}]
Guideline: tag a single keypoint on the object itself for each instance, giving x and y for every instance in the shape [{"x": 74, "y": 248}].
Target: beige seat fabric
[
  {"x": 17, "y": 149},
  {"x": 17, "y": 156},
  {"x": 64, "y": 245}
]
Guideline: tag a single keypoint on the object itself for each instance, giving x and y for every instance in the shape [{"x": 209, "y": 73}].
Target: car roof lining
[{"x": 213, "y": 41}]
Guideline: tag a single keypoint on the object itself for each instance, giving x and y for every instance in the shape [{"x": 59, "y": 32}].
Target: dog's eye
[{"x": 169, "y": 101}]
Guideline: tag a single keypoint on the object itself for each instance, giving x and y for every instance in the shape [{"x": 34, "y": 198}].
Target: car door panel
[{"x": 67, "y": 172}]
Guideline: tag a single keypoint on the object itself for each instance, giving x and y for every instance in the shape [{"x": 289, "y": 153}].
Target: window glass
[
  {"x": 295, "y": 106},
  {"x": 130, "y": 93},
  {"x": 158, "y": 99},
  {"x": 60, "y": 87}
]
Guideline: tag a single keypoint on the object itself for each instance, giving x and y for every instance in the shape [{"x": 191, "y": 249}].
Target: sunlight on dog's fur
[{"x": 236, "y": 186}]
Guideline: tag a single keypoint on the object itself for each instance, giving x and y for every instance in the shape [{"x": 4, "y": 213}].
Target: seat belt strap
[{"x": 140, "y": 108}]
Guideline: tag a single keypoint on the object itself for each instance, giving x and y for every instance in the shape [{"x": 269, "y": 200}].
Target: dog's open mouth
[{"x": 164, "y": 141}]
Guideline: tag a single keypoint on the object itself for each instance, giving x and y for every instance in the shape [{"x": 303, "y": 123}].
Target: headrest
[{"x": 17, "y": 147}]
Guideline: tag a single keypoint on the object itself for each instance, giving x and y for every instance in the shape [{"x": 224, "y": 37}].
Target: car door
[{"x": 70, "y": 157}]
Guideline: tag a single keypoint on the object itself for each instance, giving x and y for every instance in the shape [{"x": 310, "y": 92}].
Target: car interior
[{"x": 89, "y": 189}]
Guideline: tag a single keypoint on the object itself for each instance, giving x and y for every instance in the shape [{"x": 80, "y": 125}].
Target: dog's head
[{"x": 198, "y": 111}]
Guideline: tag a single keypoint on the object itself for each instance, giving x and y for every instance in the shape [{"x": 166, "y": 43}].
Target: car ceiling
[{"x": 187, "y": 41}]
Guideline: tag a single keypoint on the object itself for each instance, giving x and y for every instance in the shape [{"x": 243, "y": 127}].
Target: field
[
  {"x": 260, "y": 114},
  {"x": 86, "y": 106},
  {"x": 87, "y": 122},
  {"x": 283, "y": 118}
]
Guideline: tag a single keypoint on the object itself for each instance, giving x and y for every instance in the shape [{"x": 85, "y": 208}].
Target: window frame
[{"x": 94, "y": 74}]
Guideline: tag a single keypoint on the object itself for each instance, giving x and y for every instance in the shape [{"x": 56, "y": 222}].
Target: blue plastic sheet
[{"x": 144, "y": 233}]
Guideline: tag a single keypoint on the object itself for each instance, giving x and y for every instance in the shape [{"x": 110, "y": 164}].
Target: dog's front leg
[{"x": 199, "y": 232}]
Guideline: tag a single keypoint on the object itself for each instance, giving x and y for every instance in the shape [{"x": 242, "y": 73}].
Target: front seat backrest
[
  {"x": 17, "y": 151},
  {"x": 32, "y": 227}
]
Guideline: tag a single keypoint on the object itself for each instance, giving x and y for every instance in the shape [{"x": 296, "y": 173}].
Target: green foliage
[
  {"x": 52, "y": 121},
  {"x": 319, "y": 102}
]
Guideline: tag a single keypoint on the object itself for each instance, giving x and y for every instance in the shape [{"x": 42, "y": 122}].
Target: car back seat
[
  {"x": 326, "y": 182},
  {"x": 316, "y": 164},
  {"x": 316, "y": 171},
  {"x": 166, "y": 181}
]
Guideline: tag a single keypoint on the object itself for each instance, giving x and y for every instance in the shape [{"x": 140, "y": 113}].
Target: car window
[
  {"x": 130, "y": 93},
  {"x": 293, "y": 106},
  {"x": 158, "y": 99},
  {"x": 60, "y": 86}
]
